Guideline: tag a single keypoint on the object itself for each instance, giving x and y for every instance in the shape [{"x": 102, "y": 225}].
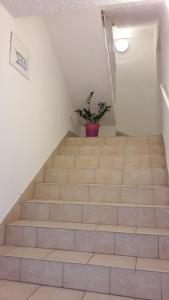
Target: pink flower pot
[{"x": 92, "y": 129}]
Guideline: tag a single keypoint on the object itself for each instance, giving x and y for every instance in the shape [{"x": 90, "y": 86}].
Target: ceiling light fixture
[{"x": 122, "y": 45}]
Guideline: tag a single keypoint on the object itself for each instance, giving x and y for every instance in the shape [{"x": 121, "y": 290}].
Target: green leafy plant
[{"x": 89, "y": 116}]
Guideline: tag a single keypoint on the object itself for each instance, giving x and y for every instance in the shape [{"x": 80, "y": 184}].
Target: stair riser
[
  {"x": 111, "y": 141},
  {"x": 148, "y": 177},
  {"x": 103, "y": 193},
  {"x": 118, "y": 281},
  {"x": 98, "y": 214},
  {"x": 127, "y": 244},
  {"x": 103, "y": 162},
  {"x": 115, "y": 150}
]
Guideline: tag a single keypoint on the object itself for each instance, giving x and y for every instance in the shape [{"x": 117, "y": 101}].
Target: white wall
[
  {"x": 165, "y": 77},
  {"x": 79, "y": 40},
  {"x": 138, "y": 105},
  {"x": 34, "y": 114}
]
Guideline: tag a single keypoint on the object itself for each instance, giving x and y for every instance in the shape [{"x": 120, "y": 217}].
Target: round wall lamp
[{"x": 122, "y": 45}]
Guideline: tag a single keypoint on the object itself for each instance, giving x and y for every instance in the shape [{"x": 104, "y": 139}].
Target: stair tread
[
  {"x": 91, "y": 227},
  {"x": 101, "y": 184},
  {"x": 109, "y": 169},
  {"x": 119, "y": 204},
  {"x": 85, "y": 258}
]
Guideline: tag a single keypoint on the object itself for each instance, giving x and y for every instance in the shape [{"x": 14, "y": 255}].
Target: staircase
[{"x": 98, "y": 222}]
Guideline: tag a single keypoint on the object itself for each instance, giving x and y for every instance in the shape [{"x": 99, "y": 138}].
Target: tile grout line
[
  {"x": 109, "y": 280},
  {"x": 34, "y": 292},
  {"x": 161, "y": 286}
]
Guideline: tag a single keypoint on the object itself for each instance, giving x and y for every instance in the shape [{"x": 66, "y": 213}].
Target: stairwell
[{"x": 99, "y": 222}]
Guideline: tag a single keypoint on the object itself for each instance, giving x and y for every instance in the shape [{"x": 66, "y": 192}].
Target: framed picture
[{"x": 19, "y": 56}]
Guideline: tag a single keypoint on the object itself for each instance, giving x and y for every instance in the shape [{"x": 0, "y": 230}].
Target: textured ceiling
[{"x": 32, "y": 7}]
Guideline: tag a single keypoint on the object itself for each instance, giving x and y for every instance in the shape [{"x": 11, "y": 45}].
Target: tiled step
[
  {"x": 118, "y": 240},
  {"x": 124, "y": 276},
  {"x": 114, "y": 150},
  {"x": 117, "y": 214},
  {"x": 13, "y": 290},
  {"x": 142, "y": 177},
  {"x": 111, "y": 141},
  {"x": 102, "y": 162},
  {"x": 102, "y": 193}
]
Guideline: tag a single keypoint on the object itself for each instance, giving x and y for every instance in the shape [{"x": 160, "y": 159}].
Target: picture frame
[{"x": 19, "y": 56}]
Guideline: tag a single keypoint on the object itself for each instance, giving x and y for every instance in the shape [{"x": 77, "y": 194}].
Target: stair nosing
[{"x": 98, "y": 203}]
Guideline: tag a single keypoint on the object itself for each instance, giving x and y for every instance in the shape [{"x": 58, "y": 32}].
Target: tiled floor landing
[{"x": 11, "y": 290}]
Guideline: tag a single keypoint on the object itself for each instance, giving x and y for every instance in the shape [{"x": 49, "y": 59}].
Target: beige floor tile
[
  {"x": 16, "y": 290},
  {"x": 5, "y": 250},
  {"x": 69, "y": 150},
  {"x": 157, "y": 150},
  {"x": 56, "y": 293},
  {"x": 153, "y": 231},
  {"x": 148, "y": 231},
  {"x": 162, "y": 218},
  {"x": 45, "y": 224},
  {"x": 137, "y": 177},
  {"x": 113, "y": 261},
  {"x": 73, "y": 192},
  {"x": 137, "y": 195},
  {"x": 108, "y": 176},
  {"x": 100, "y": 214},
  {"x": 75, "y": 141},
  {"x": 64, "y": 162},
  {"x": 66, "y": 212},
  {"x": 87, "y": 278},
  {"x": 42, "y": 272},
  {"x": 81, "y": 176},
  {"x": 20, "y": 236},
  {"x": 104, "y": 193},
  {"x": 53, "y": 175},
  {"x": 9, "y": 268},
  {"x": 94, "y": 241},
  {"x": 69, "y": 256},
  {"x": 26, "y": 252},
  {"x": 159, "y": 177},
  {"x": 96, "y": 296},
  {"x": 156, "y": 140},
  {"x": 113, "y": 141},
  {"x": 165, "y": 286},
  {"x": 134, "y": 283},
  {"x": 138, "y": 245},
  {"x": 115, "y": 150},
  {"x": 90, "y": 150},
  {"x": 84, "y": 162},
  {"x": 137, "y": 141},
  {"x": 158, "y": 161},
  {"x": 136, "y": 216},
  {"x": 110, "y": 228},
  {"x": 111, "y": 162},
  {"x": 94, "y": 141},
  {"x": 55, "y": 238},
  {"x": 163, "y": 247},
  {"x": 35, "y": 211},
  {"x": 137, "y": 162},
  {"x": 46, "y": 191},
  {"x": 137, "y": 150},
  {"x": 80, "y": 226},
  {"x": 153, "y": 265},
  {"x": 161, "y": 195}
]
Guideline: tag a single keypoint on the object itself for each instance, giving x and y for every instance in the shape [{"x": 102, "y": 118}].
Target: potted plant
[{"x": 92, "y": 118}]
